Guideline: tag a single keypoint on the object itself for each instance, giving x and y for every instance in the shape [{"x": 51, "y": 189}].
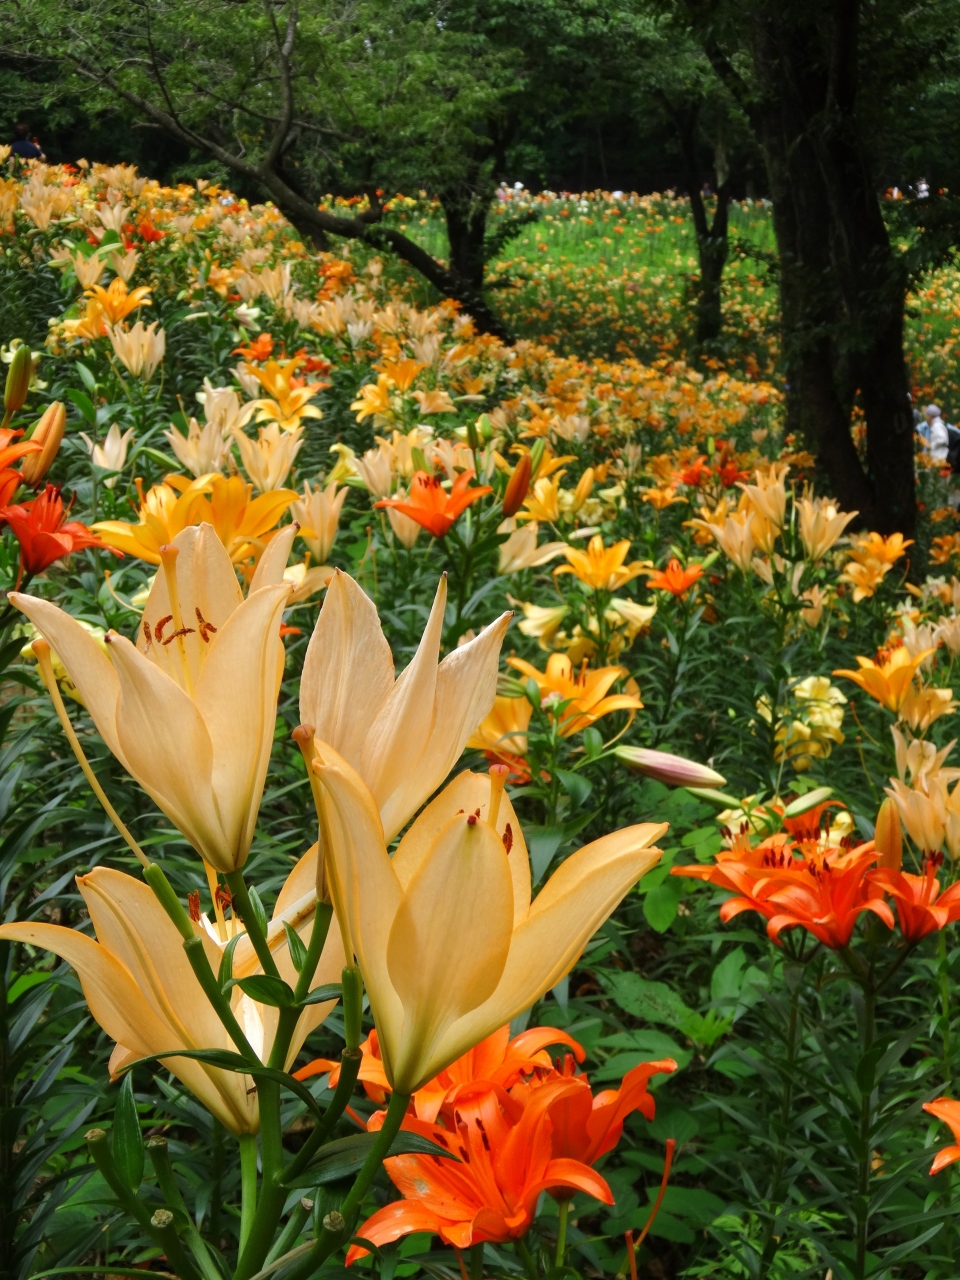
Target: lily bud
[
  {"x": 536, "y": 456},
  {"x": 473, "y": 440},
  {"x": 675, "y": 771},
  {"x": 485, "y": 427},
  {"x": 48, "y": 433},
  {"x": 888, "y": 837},
  {"x": 517, "y": 486},
  {"x": 584, "y": 489},
  {"x": 18, "y": 379}
]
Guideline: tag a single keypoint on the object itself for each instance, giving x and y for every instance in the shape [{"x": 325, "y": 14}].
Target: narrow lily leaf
[
  {"x": 228, "y": 1061},
  {"x": 259, "y": 911},
  {"x": 343, "y": 1157},
  {"x": 265, "y": 989},
  {"x": 225, "y": 972},
  {"x": 298, "y": 952},
  {"x": 127, "y": 1137},
  {"x": 331, "y": 991}
]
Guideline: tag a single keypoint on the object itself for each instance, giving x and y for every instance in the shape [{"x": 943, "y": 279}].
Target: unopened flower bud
[
  {"x": 485, "y": 427},
  {"x": 675, "y": 771},
  {"x": 536, "y": 456},
  {"x": 517, "y": 487},
  {"x": 18, "y": 379},
  {"x": 584, "y": 489},
  {"x": 333, "y": 1222},
  {"x": 48, "y": 433},
  {"x": 888, "y": 837},
  {"x": 473, "y": 440}
]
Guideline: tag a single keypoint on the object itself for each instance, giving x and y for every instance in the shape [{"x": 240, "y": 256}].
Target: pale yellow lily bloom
[
  {"x": 318, "y": 514},
  {"x": 142, "y": 991},
  {"x": 520, "y": 551},
  {"x": 449, "y": 944},
  {"x": 190, "y": 710},
  {"x": 402, "y": 736},
  {"x": 821, "y": 524},
  {"x": 268, "y": 459}
]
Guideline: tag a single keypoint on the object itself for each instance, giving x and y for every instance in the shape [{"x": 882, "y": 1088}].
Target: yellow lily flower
[
  {"x": 143, "y": 993},
  {"x": 889, "y": 681},
  {"x": 287, "y": 405},
  {"x": 190, "y": 710},
  {"x": 600, "y": 567},
  {"x": 116, "y": 302},
  {"x": 268, "y": 459},
  {"x": 503, "y": 731},
  {"x": 404, "y": 736},
  {"x": 542, "y": 621},
  {"x": 520, "y": 551},
  {"x": 544, "y": 502},
  {"x": 585, "y": 692},
  {"x": 449, "y": 944},
  {"x": 243, "y": 523},
  {"x": 821, "y": 524},
  {"x": 373, "y": 400}
]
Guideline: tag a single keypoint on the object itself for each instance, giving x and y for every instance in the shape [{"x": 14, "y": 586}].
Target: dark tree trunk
[
  {"x": 842, "y": 287},
  {"x": 712, "y": 239},
  {"x": 466, "y": 217}
]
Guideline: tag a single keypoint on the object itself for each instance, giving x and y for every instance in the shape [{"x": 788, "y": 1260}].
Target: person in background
[
  {"x": 23, "y": 146},
  {"x": 934, "y": 432}
]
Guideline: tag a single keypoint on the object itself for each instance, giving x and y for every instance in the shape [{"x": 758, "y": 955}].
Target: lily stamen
[{"x": 168, "y": 558}]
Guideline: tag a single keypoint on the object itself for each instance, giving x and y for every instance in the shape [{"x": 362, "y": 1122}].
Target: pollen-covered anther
[{"x": 207, "y": 629}]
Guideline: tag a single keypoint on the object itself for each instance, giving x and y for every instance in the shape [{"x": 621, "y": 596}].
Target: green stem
[
  {"x": 208, "y": 981},
  {"x": 244, "y": 908},
  {"x": 865, "y": 1131},
  {"x": 248, "y": 1185},
  {"x": 526, "y": 1257},
  {"x": 166, "y": 1181},
  {"x": 318, "y": 936},
  {"x": 295, "y": 1224},
  {"x": 770, "y": 1239},
  {"x": 943, "y": 957},
  {"x": 562, "y": 1231},
  {"x": 273, "y": 1194},
  {"x": 329, "y": 1240},
  {"x": 350, "y": 1060}
]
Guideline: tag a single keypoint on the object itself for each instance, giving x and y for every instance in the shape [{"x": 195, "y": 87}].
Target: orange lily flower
[
  {"x": 602, "y": 567},
  {"x": 431, "y": 506},
  {"x": 289, "y": 396},
  {"x": 586, "y": 1127},
  {"x": 921, "y": 908},
  {"x": 888, "y": 681},
  {"x": 947, "y": 1110},
  {"x": 43, "y": 533},
  {"x": 496, "y": 1062},
  {"x": 675, "y": 578},
  {"x": 874, "y": 546},
  {"x": 506, "y": 1162},
  {"x": 116, "y": 302},
  {"x": 584, "y": 693},
  {"x": 261, "y": 348},
  {"x": 828, "y": 901}
]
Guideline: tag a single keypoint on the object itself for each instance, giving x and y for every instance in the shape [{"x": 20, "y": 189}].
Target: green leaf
[
  {"x": 84, "y": 404},
  {"x": 228, "y": 1061},
  {"x": 298, "y": 952},
  {"x": 576, "y": 786},
  {"x": 259, "y": 913},
  {"x": 225, "y": 972},
  {"x": 344, "y": 1157},
  {"x": 127, "y": 1137},
  {"x": 661, "y": 903},
  {"x": 265, "y": 989},
  {"x": 86, "y": 376},
  {"x": 658, "y": 1003},
  {"x": 330, "y": 991},
  {"x": 592, "y": 742}
]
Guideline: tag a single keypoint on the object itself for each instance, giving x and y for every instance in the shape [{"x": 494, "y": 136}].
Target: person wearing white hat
[{"x": 935, "y": 434}]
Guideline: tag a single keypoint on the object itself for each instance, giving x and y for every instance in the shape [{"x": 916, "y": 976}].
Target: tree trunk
[
  {"x": 712, "y": 242},
  {"x": 466, "y": 216},
  {"x": 842, "y": 287}
]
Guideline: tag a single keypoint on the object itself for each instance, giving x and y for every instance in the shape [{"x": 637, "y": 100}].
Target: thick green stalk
[
  {"x": 273, "y": 1194},
  {"x": 564, "y": 1210},
  {"x": 166, "y": 1181},
  {"x": 244, "y": 909},
  {"x": 207, "y": 979},
  {"x": 943, "y": 957},
  {"x": 295, "y": 1223},
  {"x": 160, "y": 1231},
  {"x": 335, "y": 1232},
  {"x": 770, "y": 1238},
  {"x": 865, "y": 1130},
  {"x": 248, "y": 1186},
  {"x": 350, "y": 1060}
]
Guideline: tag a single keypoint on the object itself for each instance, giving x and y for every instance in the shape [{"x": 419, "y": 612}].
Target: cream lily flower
[
  {"x": 318, "y": 515},
  {"x": 112, "y": 454},
  {"x": 520, "y": 551},
  {"x": 448, "y": 942},
  {"x": 202, "y": 450},
  {"x": 403, "y": 737},
  {"x": 821, "y": 524},
  {"x": 190, "y": 710},
  {"x": 139, "y": 349},
  {"x": 142, "y": 991},
  {"x": 268, "y": 459}
]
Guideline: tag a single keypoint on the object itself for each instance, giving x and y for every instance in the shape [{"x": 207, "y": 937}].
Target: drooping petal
[
  {"x": 391, "y": 1222},
  {"x": 468, "y": 792},
  {"x": 167, "y": 748},
  {"x": 236, "y": 696},
  {"x": 449, "y": 942},
  {"x": 347, "y": 671},
  {"x": 87, "y": 665},
  {"x": 466, "y": 684}
]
